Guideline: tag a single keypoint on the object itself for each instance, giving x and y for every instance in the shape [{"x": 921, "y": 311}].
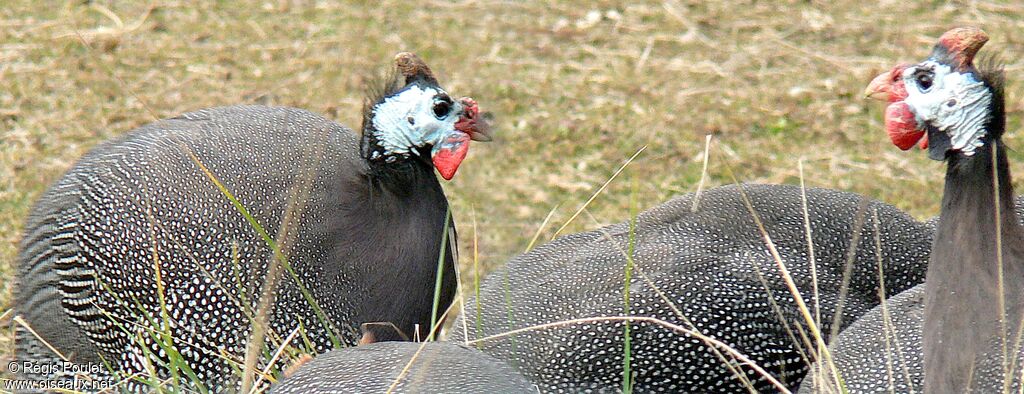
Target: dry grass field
[{"x": 576, "y": 89}]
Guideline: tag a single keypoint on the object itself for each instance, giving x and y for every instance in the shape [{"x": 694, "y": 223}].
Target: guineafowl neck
[
  {"x": 394, "y": 227},
  {"x": 382, "y": 161},
  {"x": 964, "y": 300}
]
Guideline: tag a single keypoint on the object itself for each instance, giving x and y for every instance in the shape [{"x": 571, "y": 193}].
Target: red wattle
[
  {"x": 450, "y": 155},
  {"x": 901, "y": 125}
]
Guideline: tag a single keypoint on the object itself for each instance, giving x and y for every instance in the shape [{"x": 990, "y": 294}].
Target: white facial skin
[
  {"x": 953, "y": 102},
  {"x": 414, "y": 118}
]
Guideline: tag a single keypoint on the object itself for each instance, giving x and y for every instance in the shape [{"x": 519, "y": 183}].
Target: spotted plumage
[
  {"x": 439, "y": 367},
  {"x": 138, "y": 238},
  {"x": 706, "y": 263}
]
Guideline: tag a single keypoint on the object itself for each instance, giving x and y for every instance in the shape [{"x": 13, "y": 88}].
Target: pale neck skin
[
  {"x": 956, "y": 104},
  {"x": 405, "y": 122}
]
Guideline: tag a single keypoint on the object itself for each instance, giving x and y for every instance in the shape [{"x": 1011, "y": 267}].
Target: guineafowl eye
[
  {"x": 442, "y": 106},
  {"x": 924, "y": 80}
]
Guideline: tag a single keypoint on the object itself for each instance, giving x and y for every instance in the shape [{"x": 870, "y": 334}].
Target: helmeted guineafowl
[
  {"x": 704, "y": 264},
  {"x": 959, "y": 331},
  {"x": 140, "y": 237},
  {"x": 440, "y": 367}
]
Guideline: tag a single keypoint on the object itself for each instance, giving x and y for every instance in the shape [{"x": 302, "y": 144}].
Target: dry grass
[{"x": 576, "y": 89}]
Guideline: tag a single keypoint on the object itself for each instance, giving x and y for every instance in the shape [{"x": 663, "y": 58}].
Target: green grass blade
[
  {"x": 273, "y": 247},
  {"x": 440, "y": 271}
]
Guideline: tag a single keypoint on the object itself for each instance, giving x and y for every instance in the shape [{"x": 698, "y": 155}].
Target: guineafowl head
[
  {"x": 411, "y": 118},
  {"x": 944, "y": 100}
]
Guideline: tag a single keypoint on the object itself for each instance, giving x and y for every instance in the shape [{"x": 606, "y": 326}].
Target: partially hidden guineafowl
[
  {"x": 167, "y": 233},
  {"x": 405, "y": 367},
  {"x": 959, "y": 331},
  {"x": 707, "y": 269}
]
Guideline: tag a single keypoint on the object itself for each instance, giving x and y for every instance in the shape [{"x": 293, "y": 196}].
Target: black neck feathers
[{"x": 979, "y": 243}]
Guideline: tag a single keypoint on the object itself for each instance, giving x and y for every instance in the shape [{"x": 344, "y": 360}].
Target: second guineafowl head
[{"x": 173, "y": 228}]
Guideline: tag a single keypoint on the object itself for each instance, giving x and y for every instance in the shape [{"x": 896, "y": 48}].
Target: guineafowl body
[
  {"x": 143, "y": 201},
  {"x": 170, "y": 232},
  {"x": 879, "y": 355},
  {"x": 439, "y": 367},
  {"x": 705, "y": 264}
]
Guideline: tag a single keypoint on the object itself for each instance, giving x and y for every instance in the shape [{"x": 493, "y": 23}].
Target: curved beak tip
[
  {"x": 473, "y": 122},
  {"x": 482, "y": 135},
  {"x": 879, "y": 88},
  {"x": 875, "y": 95}
]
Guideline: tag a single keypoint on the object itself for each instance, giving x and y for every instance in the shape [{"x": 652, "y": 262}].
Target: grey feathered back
[
  {"x": 440, "y": 367},
  {"x": 706, "y": 263},
  {"x": 143, "y": 201}
]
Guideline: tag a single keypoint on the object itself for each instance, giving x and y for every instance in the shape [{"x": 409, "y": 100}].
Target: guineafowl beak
[
  {"x": 900, "y": 122},
  {"x": 888, "y": 86},
  {"x": 879, "y": 87},
  {"x": 472, "y": 123},
  {"x": 448, "y": 154}
]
